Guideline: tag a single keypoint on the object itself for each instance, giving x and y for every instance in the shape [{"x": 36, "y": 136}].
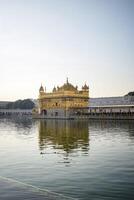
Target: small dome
[
  {"x": 54, "y": 89},
  {"x": 41, "y": 88},
  {"x": 85, "y": 87}
]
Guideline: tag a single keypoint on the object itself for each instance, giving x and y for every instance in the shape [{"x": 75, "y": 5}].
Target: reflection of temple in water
[
  {"x": 123, "y": 126},
  {"x": 65, "y": 135}
]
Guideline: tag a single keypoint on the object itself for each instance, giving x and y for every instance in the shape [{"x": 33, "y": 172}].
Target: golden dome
[
  {"x": 54, "y": 89},
  {"x": 85, "y": 87},
  {"x": 67, "y": 87}
]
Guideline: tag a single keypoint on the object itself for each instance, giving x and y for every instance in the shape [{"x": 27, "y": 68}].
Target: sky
[{"x": 46, "y": 41}]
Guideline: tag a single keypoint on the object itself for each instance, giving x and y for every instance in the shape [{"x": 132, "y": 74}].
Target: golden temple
[{"x": 64, "y": 101}]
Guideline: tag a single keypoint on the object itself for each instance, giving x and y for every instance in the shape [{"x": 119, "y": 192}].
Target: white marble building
[{"x": 111, "y": 101}]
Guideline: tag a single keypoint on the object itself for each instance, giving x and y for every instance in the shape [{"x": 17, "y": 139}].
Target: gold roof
[
  {"x": 85, "y": 87},
  {"x": 67, "y": 87}
]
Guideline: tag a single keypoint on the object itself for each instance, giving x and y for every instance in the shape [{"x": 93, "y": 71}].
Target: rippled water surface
[{"x": 81, "y": 159}]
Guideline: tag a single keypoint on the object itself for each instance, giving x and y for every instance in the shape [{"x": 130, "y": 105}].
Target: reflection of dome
[
  {"x": 41, "y": 89},
  {"x": 64, "y": 135},
  {"x": 85, "y": 87},
  {"x": 67, "y": 87}
]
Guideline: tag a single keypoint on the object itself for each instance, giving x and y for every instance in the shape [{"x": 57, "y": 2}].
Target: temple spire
[{"x": 41, "y": 88}]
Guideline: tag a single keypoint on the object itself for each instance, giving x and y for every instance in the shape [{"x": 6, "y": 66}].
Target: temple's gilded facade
[{"x": 63, "y": 102}]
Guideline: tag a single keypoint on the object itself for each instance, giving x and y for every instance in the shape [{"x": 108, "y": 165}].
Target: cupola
[
  {"x": 41, "y": 89},
  {"x": 54, "y": 89},
  {"x": 85, "y": 87}
]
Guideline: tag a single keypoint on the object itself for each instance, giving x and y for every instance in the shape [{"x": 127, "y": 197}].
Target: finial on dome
[{"x": 67, "y": 80}]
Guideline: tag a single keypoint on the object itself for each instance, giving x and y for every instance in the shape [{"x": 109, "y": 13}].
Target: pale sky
[{"x": 45, "y": 41}]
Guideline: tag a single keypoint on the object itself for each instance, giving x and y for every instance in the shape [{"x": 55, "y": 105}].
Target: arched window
[{"x": 44, "y": 112}]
